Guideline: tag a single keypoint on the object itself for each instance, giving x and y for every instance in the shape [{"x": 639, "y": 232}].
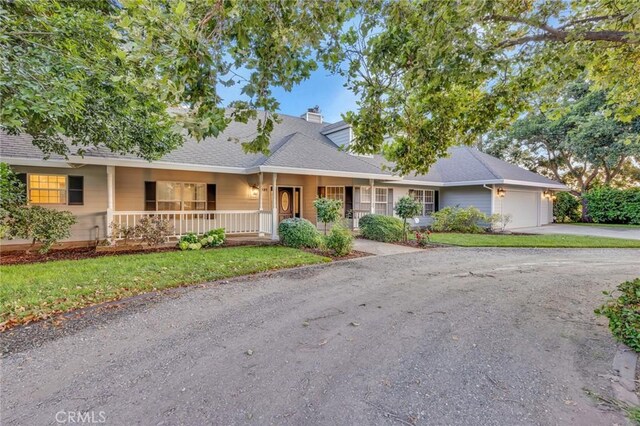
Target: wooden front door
[{"x": 285, "y": 203}]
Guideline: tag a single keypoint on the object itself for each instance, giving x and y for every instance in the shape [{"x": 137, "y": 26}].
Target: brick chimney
[{"x": 313, "y": 115}]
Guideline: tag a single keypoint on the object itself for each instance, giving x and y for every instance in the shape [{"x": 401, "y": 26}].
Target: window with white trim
[
  {"x": 381, "y": 200},
  {"x": 426, "y": 198},
  {"x": 335, "y": 193},
  {"x": 47, "y": 189},
  {"x": 181, "y": 196}
]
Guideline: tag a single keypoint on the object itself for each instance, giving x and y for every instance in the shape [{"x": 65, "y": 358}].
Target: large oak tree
[{"x": 429, "y": 73}]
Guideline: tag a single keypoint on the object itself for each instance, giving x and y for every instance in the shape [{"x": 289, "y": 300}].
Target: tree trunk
[{"x": 584, "y": 216}]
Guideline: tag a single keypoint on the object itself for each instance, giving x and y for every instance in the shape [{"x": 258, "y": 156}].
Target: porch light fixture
[
  {"x": 254, "y": 191},
  {"x": 546, "y": 193},
  {"x": 500, "y": 192}
]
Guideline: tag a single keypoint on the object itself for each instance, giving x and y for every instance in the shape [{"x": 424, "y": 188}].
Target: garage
[{"x": 522, "y": 205}]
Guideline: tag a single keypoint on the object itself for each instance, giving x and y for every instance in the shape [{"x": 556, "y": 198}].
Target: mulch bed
[{"x": 17, "y": 257}]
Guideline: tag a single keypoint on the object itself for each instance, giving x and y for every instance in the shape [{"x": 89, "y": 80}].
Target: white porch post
[
  {"x": 274, "y": 206},
  {"x": 373, "y": 197},
  {"x": 111, "y": 180},
  {"x": 260, "y": 234}
]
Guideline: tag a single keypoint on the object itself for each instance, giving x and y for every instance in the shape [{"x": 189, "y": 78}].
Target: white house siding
[
  {"x": 526, "y": 205},
  {"x": 466, "y": 196},
  {"x": 92, "y": 215}
]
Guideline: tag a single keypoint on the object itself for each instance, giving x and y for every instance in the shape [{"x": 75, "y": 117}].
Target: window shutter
[
  {"x": 150, "y": 196},
  {"x": 436, "y": 201},
  {"x": 348, "y": 202},
  {"x": 22, "y": 177},
  {"x": 390, "y": 202},
  {"x": 211, "y": 196},
  {"x": 76, "y": 190},
  {"x": 322, "y": 192}
]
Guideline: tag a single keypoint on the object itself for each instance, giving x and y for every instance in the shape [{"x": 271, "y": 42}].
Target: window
[
  {"x": 335, "y": 193},
  {"x": 365, "y": 194},
  {"x": 426, "y": 198},
  {"x": 47, "y": 189},
  {"x": 381, "y": 200},
  {"x": 181, "y": 196}
]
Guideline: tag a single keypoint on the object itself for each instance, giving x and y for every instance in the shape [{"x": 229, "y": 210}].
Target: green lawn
[
  {"x": 34, "y": 291},
  {"x": 604, "y": 225},
  {"x": 493, "y": 240}
]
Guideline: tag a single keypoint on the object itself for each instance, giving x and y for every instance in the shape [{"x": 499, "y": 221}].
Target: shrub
[
  {"x": 566, "y": 208},
  {"x": 213, "y": 238},
  {"x": 611, "y": 205},
  {"x": 423, "y": 238},
  {"x": 328, "y": 210},
  {"x": 124, "y": 231},
  {"x": 406, "y": 208},
  {"x": 12, "y": 190},
  {"x": 381, "y": 228},
  {"x": 40, "y": 225},
  {"x": 468, "y": 220},
  {"x": 189, "y": 241},
  {"x": 624, "y": 313},
  {"x": 153, "y": 231},
  {"x": 339, "y": 241},
  {"x": 297, "y": 232}
]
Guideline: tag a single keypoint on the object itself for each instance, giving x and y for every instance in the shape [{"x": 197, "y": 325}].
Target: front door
[{"x": 285, "y": 203}]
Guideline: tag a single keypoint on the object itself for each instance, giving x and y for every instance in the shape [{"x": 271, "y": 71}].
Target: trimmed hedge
[
  {"x": 611, "y": 205},
  {"x": 297, "y": 233},
  {"x": 566, "y": 208},
  {"x": 381, "y": 228}
]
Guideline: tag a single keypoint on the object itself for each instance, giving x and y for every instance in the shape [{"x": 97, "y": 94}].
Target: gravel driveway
[{"x": 445, "y": 336}]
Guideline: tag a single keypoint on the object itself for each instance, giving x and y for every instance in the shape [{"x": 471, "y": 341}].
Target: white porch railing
[
  {"x": 356, "y": 215},
  {"x": 199, "y": 222}
]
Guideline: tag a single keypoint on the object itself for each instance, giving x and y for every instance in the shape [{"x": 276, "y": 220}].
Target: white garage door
[{"x": 522, "y": 206}]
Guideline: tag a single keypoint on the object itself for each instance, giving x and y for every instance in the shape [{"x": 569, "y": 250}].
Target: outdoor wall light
[
  {"x": 254, "y": 191},
  {"x": 500, "y": 192},
  {"x": 546, "y": 194}
]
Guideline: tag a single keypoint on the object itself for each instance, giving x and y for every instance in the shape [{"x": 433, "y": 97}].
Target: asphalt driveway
[
  {"x": 444, "y": 336},
  {"x": 591, "y": 230}
]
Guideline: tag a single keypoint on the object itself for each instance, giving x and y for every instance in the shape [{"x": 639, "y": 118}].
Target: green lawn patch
[
  {"x": 605, "y": 225},
  {"x": 34, "y": 291},
  {"x": 557, "y": 240}
]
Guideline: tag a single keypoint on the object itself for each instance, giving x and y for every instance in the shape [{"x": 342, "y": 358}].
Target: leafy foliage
[
  {"x": 433, "y": 74},
  {"x": 577, "y": 140},
  {"x": 611, "y": 205},
  {"x": 407, "y": 208},
  {"x": 40, "y": 225},
  {"x": 213, "y": 238},
  {"x": 298, "y": 233},
  {"x": 189, "y": 241},
  {"x": 378, "y": 227},
  {"x": 328, "y": 210},
  {"x": 104, "y": 72},
  {"x": 565, "y": 208},
  {"x": 153, "y": 231},
  {"x": 624, "y": 313},
  {"x": 12, "y": 190},
  {"x": 423, "y": 238},
  {"x": 458, "y": 219},
  {"x": 339, "y": 241}
]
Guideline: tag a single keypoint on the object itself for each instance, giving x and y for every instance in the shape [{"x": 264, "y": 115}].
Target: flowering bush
[
  {"x": 423, "y": 238},
  {"x": 153, "y": 231},
  {"x": 191, "y": 241}
]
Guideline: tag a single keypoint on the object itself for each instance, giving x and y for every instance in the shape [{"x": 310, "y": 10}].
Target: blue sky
[{"x": 322, "y": 89}]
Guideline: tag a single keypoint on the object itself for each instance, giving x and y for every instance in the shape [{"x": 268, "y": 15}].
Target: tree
[
  {"x": 99, "y": 73},
  {"x": 431, "y": 74},
  {"x": 328, "y": 210},
  {"x": 577, "y": 142},
  {"x": 407, "y": 208}
]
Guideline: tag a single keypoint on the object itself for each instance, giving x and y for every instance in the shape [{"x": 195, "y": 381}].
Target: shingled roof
[{"x": 297, "y": 146}]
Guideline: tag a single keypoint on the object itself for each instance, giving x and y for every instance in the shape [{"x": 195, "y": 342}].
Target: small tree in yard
[
  {"x": 40, "y": 225},
  {"x": 407, "y": 208},
  {"x": 328, "y": 210}
]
